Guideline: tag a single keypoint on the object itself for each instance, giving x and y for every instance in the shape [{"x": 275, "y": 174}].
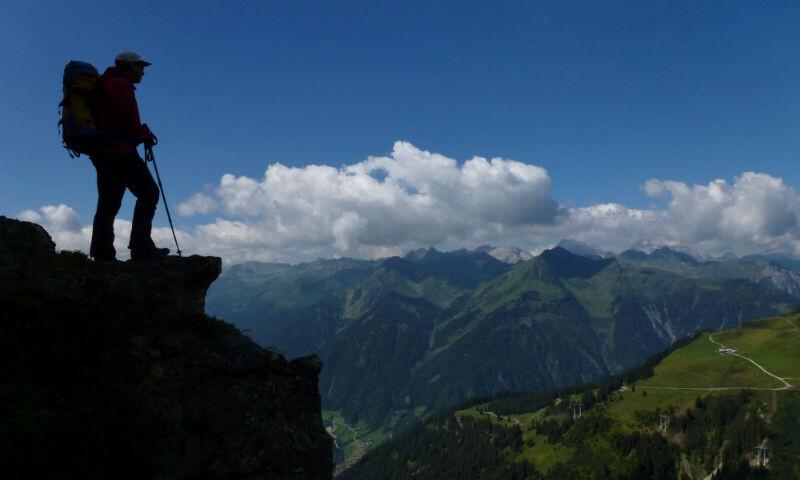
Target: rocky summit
[{"x": 112, "y": 370}]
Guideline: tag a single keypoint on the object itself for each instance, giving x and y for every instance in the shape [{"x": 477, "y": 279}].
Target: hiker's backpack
[{"x": 78, "y": 130}]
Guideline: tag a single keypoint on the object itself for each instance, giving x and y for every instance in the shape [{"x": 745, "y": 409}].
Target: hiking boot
[{"x": 149, "y": 253}]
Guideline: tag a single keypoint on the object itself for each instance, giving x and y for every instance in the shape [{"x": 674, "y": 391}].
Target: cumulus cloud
[
  {"x": 380, "y": 205},
  {"x": 755, "y": 213},
  {"x": 62, "y": 218},
  {"x": 387, "y": 205},
  {"x": 612, "y": 226},
  {"x": 30, "y": 216},
  {"x": 198, "y": 203}
]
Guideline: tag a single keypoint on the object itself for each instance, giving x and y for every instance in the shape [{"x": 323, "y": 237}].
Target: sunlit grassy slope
[
  {"x": 773, "y": 343},
  {"x": 696, "y": 370}
]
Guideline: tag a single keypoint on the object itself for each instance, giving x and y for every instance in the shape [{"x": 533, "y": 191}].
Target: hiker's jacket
[{"x": 116, "y": 112}]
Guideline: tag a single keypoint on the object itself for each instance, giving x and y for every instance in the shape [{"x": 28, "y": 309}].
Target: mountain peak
[
  {"x": 567, "y": 264},
  {"x": 512, "y": 255},
  {"x": 584, "y": 249},
  {"x": 667, "y": 252},
  {"x": 660, "y": 255},
  {"x": 459, "y": 267},
  {"x": 422, "y": 254}
]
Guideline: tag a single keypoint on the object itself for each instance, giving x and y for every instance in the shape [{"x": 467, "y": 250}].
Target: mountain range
[
  {"x": 405, "y": 337},
  {"x": 776, "y": 272}
]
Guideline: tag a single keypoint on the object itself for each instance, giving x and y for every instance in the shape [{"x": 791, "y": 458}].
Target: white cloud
[
  {"x": 755, "y": 213},
  {"x": 383, "y": 204},
  {"x": 62, "y": 218},
  {"x": 30, "y": 216},
  {"x": 199, "y": 203},
  {"x": 387, "y": 205}
]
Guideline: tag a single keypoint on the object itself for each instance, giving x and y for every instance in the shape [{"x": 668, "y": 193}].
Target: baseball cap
[{"x": 131, "y": 57}]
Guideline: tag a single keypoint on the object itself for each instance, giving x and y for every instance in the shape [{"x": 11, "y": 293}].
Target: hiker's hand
[{"x": 151, "y": 137}]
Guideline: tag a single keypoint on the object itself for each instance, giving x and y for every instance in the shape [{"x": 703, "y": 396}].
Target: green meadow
[
  {"x": 773, "y": 343},
  {"x": 696, "y": 370},
  {"x": 700, "y": 365}
]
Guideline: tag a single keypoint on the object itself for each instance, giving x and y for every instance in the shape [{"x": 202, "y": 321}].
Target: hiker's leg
[
  {"x": 110, "y": 190},
  {"x": 140, "y": 182}
]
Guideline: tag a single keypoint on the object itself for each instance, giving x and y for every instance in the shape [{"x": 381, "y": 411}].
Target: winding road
[{"x": 786, "y": 385}]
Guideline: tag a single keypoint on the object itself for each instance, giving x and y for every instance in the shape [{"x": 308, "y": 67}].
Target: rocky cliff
[{"x": 113, "y": 371}]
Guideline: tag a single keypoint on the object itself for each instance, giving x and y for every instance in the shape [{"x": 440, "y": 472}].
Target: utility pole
[
  {"x": 663, "y": 423},
  {"x": 577, "y": 409},
  {"x": 761, "y": 453}
]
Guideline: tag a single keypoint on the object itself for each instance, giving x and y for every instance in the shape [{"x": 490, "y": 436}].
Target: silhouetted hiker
[{"x": 119, "y": 165}]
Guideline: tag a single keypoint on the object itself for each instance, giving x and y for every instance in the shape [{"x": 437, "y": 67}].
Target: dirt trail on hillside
[{"x": 785, "y": 383}]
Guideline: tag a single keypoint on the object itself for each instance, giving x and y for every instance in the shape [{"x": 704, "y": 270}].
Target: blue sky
[{"x": 603, "y": 96}]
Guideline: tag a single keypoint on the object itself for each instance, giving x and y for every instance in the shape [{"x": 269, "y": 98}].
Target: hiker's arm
[{"x": 127, "y": 111}]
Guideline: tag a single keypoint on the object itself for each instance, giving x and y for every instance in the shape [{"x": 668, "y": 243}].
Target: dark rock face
[
  {"x": 24, "y": 247},
  {"x": 175, "y": 284},
  {"x": 113, "y": 371}
]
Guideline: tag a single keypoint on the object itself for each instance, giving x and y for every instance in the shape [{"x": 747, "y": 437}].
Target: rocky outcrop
[
  {"x": 780, "y": 279},
  {"x": 113, "y": 371},
  {"x": 25, "y": 248}
]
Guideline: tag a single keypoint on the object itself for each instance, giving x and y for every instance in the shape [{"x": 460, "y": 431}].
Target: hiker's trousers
[{"x": 114, "y": 175}]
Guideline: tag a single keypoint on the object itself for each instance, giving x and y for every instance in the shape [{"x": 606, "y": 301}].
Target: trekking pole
[{"x": 148, "y": 156}]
